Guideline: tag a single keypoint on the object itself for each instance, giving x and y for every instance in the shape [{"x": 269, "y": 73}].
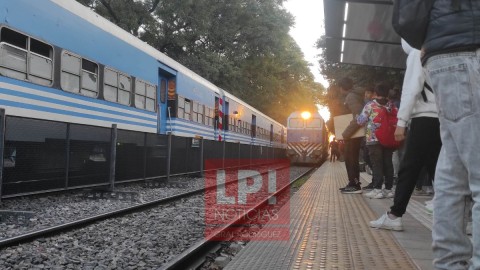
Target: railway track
[
  {"x": 86, "y": 221},
  {"x": 193, "y": 257}
]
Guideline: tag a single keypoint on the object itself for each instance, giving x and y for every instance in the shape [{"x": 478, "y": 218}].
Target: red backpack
[{"x": 385, "y": 133}]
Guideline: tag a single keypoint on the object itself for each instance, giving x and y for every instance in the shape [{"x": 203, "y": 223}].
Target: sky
[{"x": 308, "y": 28}]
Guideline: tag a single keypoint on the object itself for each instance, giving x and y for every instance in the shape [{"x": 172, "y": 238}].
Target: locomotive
[{"x": 307, "y": 138}]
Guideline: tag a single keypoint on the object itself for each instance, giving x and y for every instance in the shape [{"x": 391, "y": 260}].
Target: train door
[
  {"x": 226, "y": 115},
  {"x": 161, "y": 105},
  {"x": 254, "y": 126},
  {"x": 218, "y": 118},
  {"x": 166, "y": 96}
]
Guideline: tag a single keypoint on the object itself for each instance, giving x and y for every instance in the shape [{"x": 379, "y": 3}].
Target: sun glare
[
  {"x": 324, "y": 112},
  {"x": 306, "y": 115}
]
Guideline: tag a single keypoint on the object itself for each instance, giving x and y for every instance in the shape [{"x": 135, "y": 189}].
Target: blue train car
[
  {"x": 307, "y": 138},
  {"x": 67, "y": 75},
  {"x": 60, "y": 61}
]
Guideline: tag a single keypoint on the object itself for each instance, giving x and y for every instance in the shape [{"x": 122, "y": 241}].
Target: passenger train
[
  {"x": 65, "y": 71},
  {"x": 307, "y": 138}
]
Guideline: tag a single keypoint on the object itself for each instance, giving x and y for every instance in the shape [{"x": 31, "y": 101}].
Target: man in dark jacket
[
  {"x": 452, "y": 64},
  {"x": 354, "y": 103}
]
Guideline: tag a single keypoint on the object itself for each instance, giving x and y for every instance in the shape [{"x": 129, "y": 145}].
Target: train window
[
  {"x": 25, "y": 58},
  {"x": 209, "y": 114},
  {"x": 40, "y": 48},
  {"x": 201, "y": 112},
  {"x": 145, "y": 95},
  {"x": 197, "y": 112},
  {"x": 14, "y": 38},
  {"x": 79, "y": 75},
  {"x": 296, "y": 123},
  {"x": 231, "y": 124},
  {"x": 313, "y": 123},
  {"x": 117, "y": 86},
  {"x": 188, "y": 110},
  {"x": 181, "y": 107}
]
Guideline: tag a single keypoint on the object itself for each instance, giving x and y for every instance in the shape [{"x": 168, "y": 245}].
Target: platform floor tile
[{"x": 328, "y": 230}]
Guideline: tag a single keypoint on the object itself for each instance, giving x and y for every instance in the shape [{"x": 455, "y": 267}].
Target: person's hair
[
  {"x": 346, "y": 83},
  {"x": 394, "y": 93},
  {"x": 382, "y": 89}
]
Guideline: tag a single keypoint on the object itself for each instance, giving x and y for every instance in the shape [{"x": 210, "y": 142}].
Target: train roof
[
  {"x": 228, "y": 95},
  {"x": 106, "y": 25}
]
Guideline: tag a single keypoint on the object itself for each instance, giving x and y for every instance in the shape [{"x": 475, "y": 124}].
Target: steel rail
[
  {"x": 195, "y": 255},
  {"x": 30, "y": 236}
]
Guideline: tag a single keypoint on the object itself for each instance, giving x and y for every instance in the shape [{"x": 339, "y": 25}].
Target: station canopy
[{"x": 360, "y": 32}]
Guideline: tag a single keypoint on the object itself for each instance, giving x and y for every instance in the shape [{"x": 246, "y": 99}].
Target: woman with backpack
[{"x": 375, "y": 115}]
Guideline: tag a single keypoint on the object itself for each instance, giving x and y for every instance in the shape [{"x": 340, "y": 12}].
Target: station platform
[{"x": 330, "y": 230}]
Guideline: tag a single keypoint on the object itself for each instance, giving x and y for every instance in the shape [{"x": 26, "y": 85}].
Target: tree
[{"x": 241, "y": 46}]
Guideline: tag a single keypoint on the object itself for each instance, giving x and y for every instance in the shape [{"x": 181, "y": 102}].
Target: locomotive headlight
[{"x": 306, "y": 115}]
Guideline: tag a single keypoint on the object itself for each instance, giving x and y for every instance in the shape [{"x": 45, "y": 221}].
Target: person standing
[
  {"x": 354, "y": 104},
  {"x": 423, "y": 141},
  {"x": 452, "y": 63},
  {"x": 369, "y": 93},
  {"x": 334, "y": 152},
  {"x": 380, "y": 156}
]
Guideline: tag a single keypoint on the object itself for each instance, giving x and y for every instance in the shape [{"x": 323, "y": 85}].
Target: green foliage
[{"x": 242, "y": 46}]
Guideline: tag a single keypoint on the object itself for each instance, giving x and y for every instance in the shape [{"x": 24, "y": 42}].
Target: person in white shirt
[{"x": 423, "y": 144}]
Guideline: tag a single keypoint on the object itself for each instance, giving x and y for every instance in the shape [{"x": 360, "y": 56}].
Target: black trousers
[
  {"x": 422, "y": 148},
  {"x": 382, "y": 165},
  {"x": 352, "y": 152}
]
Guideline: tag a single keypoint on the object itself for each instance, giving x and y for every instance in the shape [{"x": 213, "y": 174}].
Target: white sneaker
[
  {"x": 373, "y": 193},
  {"x": 429, "y": 206},
  {"x": 388, "y": 193},
  {"x": 380, "y": 195},
  {"x": 384, "y": 222}
]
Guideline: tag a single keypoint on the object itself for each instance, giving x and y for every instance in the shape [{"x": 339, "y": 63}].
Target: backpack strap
[{"x": 429, "y": 88}]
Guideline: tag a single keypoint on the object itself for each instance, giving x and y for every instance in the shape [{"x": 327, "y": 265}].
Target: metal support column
[
  {"x": 201, "y": 158},
  {"x": 67, "y": 156},
  {"x": 169, "y": 154},
  {"x": 251, "y": 154},
  {"x": 223, "y": 154},
  {"x": 238, "y": 156},
  {"x": 144, "y": 155},
  {"x": 113, "y": 155},
  {"x": 2, "y": 147}
]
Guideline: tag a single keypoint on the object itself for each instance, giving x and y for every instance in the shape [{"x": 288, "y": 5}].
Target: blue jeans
[{"x": 455, "y": 78}]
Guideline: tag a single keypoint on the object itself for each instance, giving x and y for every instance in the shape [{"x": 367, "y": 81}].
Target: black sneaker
[
  {"x": 352, "y": 190},
  {"x": 343, "y": 188},
  {"x": 368, "y": 187}
]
